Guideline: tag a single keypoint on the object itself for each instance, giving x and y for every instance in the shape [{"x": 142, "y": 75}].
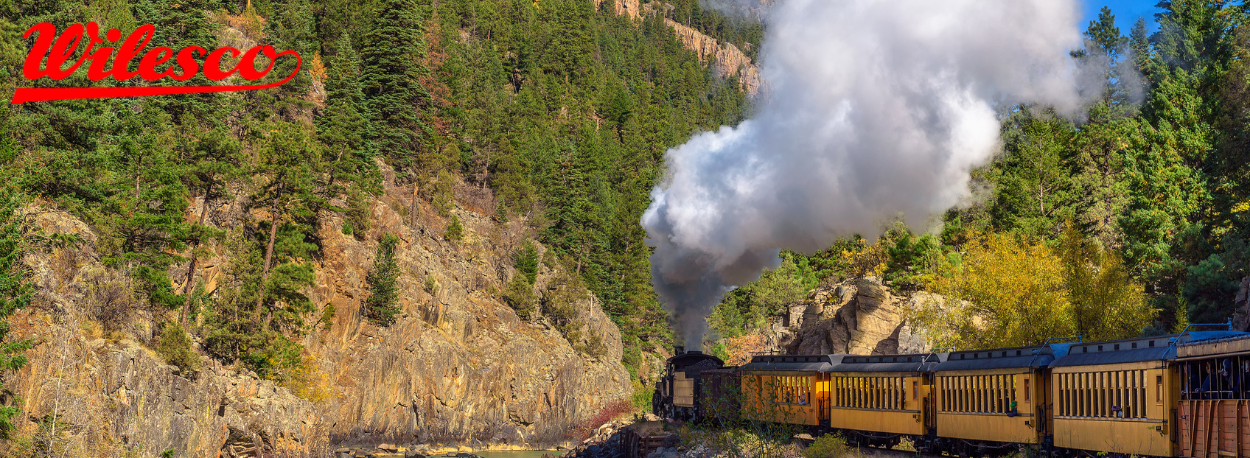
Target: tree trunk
[
  {"x": 186, "y": 291},
  {"x": 264, "y": 276}
]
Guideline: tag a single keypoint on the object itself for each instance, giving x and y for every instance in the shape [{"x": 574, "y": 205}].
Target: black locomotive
[{"x": 677, "y": 395}]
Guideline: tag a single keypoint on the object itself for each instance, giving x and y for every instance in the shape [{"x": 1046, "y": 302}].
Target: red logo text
[{"x": 129, "y": 58}]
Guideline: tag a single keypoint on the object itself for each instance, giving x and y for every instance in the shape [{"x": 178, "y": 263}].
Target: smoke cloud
[{"x": 873, "y": 110}]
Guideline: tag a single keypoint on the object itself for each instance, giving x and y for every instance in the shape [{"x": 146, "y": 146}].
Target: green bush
[
  {"x": 642, "y": 396},
  {"x": 431, "y": 285},
  {"x": 382, "y": 304},
  {"x": 829, "y": 446},
  {"x": 520, "y": 296},
  {"x": 327, "y": 317},
  {"x": 175, "y": 347},
  {"x": 356, "y": 218},
  {"x": 525, "y": 259},
  {"x": 455, "y": 231}
]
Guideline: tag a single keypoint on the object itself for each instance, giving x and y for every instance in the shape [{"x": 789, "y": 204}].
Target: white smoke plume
[{"x": 873, "y": 109}]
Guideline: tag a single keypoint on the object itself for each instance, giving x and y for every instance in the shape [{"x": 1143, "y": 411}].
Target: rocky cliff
[
  {"x": 725, "y": 58},
  {"x": 459, "y": 367},
  {"x": 859, "y": 316}
]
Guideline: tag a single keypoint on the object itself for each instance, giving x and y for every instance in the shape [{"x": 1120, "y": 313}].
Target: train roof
[
  {"x": 1139, "y": 349},
  {"x": 1001, "y": 358},
  {"x": 788, "y": 363},
  {"x": 1237, "y": 343},
  {"x": 886, "y": 363}
]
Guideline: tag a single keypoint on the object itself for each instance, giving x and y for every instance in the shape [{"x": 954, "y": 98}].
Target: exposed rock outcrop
[
  {"x": 859, "y": 316},
  {"x": 630, "y": 8},
  {"x": 727, "y": 60},
  {"x": 458, "y": 367}
]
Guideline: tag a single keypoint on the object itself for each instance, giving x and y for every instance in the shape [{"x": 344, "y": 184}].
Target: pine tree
[
  {"x": 382, "y": 304},
  {"x": 1139, "y": 43},
  {"x": 149, "y": 200},
  {"x": 392, "y": 68},
  {"x": 1034, "y": 187},
  {"x": 343, "y": 127},
  {"x": 290, "y": 161},
  {"x": 212, "y": 161}
]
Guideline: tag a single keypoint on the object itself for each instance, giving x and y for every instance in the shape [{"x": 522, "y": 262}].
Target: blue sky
[{"x": 1126, "y": 13}]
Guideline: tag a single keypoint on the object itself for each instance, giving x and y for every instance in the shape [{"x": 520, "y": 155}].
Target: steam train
[{"x": 1183, "y": 395}]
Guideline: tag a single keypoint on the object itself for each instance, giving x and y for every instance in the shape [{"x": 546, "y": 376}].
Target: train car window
[
  {"x": 1159, "y": 389},
  {"x": 1141, "y": 394},
  {"x": 915, "y": 390},
  {"x": 1026, "y": 390},
  {"x": 1065, "y": 394}
]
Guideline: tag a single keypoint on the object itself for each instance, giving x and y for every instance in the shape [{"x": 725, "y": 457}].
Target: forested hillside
[
  {"x": 1131, "y": 220},
  {"x": 557, "y": 112}
]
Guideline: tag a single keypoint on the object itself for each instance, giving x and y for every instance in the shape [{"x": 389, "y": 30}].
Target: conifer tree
[
  {"x": 383, "y": 279},
  {"x": 291, "y": 161},
  {"x": 149, "y": 201},
  {"x": 212, "y": 161},
  {"x": 343, "y": 127},
  {"x": 392, "y": 68}
]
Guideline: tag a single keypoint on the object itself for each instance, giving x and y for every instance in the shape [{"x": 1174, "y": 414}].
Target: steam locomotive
[
  {"x": 1180, "y": 395},
  {"x": 679, "y": 392}
]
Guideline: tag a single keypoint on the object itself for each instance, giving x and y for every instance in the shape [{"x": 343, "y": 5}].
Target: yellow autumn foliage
[
  {"x": 1010, "y": 292},
  {"x": 867, "y": 261}
]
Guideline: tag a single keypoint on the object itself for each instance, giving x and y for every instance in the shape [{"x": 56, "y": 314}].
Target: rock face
[
  {"x": 458, "y": 366},
  {"x": 727, "y": 59},
  {"x": 629, "y": 8},
  {"x": 859, "y": 316}
]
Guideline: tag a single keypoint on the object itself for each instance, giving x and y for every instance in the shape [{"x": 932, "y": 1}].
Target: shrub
[
  {"x": 327, "y": 317},
  {"x": 829, "y": 446},
  {"x": 307, "y": 382},
  {"x": 175, "y": 347},
  {"x": 272, "y": 355},
  {"x": 525, "y": 259},
  {"x": 643, "y": 395},
  {"x": 560, "y": 300},
  {"x": 381, "y": 306},
  {"x": 520, "y": 296},
  {"x": 431, "y": 285},
  {"x": 455, "y": 231},
  {"x": 357, "y": 215},
  {"x": 443, "y": 195},
  {"x": 612, "y": 410}
]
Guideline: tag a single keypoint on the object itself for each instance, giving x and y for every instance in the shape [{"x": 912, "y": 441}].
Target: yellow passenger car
[
  {"x": 877, "y": 400},
  {"x": 990, "y": 400},
  {"x": 792, "y": 389},
  {"x": 1116, "y": 397}
]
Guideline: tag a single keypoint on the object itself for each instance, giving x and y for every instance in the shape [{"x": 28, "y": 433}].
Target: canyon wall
[{"x": 458, "y": 367}]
